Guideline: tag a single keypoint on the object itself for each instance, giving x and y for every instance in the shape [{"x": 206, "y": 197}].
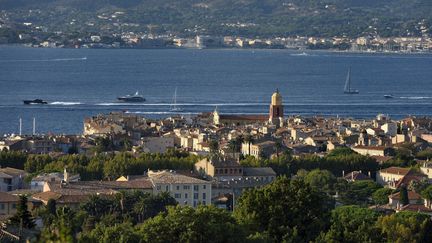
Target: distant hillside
[{"x": 230, "y": 17}]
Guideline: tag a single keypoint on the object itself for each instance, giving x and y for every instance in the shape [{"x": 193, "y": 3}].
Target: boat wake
[
  {"x": 416, "y": 97},
  {"x": 65, "y": 103},
  {"x": 180, "y": 104},
  {"x": 303, "y": 54},
  {"x": 48, "y": 60}
]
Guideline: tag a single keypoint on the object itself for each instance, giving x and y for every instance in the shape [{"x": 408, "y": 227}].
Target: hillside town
[{"x": 396, "y": 154}]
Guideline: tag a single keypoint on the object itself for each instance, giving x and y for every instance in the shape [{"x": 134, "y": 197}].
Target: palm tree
[
  {"x": 232, "y": 145},
  {"x": 239, "y": 140},
  {"x": 249, "y": 139}
]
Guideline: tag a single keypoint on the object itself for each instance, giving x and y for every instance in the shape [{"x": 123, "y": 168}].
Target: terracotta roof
[
  {"x": 6, "y": 197},
  {"x": 396, "y": 170},
  {"x": 356, "y": 176},
  {"x": 381, "y": 159},
  {"x": 260, "y": 171},
  {"x": 411, "y": 176},
  {"x": 13, "y": 171},
  {"x": 416, "y": 208},
  {"x": 60, "y": 198},
  {"x": 411, "y": 196},
  {"x": 167, "y": 177},
  {"x": 98, "y": 187},
  {"x": 371, "y": 147},
  {"x": 244, "y": 117}
]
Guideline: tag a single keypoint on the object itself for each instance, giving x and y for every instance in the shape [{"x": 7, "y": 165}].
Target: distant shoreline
[{"x": 296, "y": 50}]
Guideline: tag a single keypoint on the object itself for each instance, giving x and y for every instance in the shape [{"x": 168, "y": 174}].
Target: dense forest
[{"x": 229, "y": 17}]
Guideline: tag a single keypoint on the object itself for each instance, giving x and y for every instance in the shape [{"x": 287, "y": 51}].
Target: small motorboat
[
  {"x": 35, "y": 102},
  {"x": 389, "y": 96},
  {"x": 132, "y": 98}
]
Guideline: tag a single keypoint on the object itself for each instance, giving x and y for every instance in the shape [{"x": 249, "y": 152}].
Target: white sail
[
  {"x": 348, "y": 81},
  {"x": 174, "y": 105}
]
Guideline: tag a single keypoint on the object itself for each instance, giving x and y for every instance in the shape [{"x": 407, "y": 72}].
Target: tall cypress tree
[
  {"x": 404, "y": 200},
  {"x": 23, "y": 216}
]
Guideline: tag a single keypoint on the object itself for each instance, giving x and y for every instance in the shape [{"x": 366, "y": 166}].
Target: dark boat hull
[
  {"x": 35, "y": 102},
  {"x": 136, "y": 100}
]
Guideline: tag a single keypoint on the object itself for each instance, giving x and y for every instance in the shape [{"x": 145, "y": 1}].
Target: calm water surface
[{"x": 84, "y": 82}]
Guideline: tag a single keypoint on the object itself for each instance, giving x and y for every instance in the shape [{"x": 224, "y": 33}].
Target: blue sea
[{"x": 79, "y": 83}]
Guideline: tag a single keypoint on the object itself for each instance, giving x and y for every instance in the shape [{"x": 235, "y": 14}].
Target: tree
[
  {"x": 406, "y": 227},
  {"x": 427, "y": 193},
  {"x": 97, "y": 206},
  {"x": 285, "y": 210},
  {"x": 352, "y": 224},
  {"x": 62, "y": 228},
  {"x": 22, "y": 216},
  {"x": 185, "y": 224},
  {"x": 51, "y": 206},
  {"x": 358, "y": 192},
  {"x": 249, "y": 139},
  {"x": 322, "y": 180},
  {"x": 121, "y": 233},
  {"x": 380, "y": 196},
  {"x": 214, "y": 147},
  {"x": 232, "y": 145},
  {"x": 404, "y": 200}
]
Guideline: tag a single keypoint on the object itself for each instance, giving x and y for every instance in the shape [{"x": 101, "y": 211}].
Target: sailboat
[
  {"x": 347, "y": 89},
  {"x": 174, "y": 105}
]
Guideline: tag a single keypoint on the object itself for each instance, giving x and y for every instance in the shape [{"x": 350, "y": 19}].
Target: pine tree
[{"x": 22, "y": 216}]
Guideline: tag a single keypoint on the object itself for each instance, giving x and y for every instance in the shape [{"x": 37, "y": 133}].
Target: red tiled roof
[
  {"x": 6, "y": 197},
  {"x": 396, "y": 170},
  {"x": 411, "y": 196},
  {"x": 244, "y": 117},
  {"x": 416, "y": 208}
]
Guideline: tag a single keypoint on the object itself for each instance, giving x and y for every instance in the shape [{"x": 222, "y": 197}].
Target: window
[
  {"x": 204, "y": 187},
  {"x": 204, "y": 202},
  {"x": 177, "y": 195},
  {"x": 196, "y": 187},
  {"x": 2, "y": 206},
  {"x": 186, "y": 195},
  {"x": 204, "y": 196},
  {"x": 166, "y": 188},
  {"x": 177, "y": 188},
  {"x": 158, "y": 188},
  {"x": 186, "y": 187},
  {"x": 195, "y": 195},
  {"x": 13, "y": 205},
  {"x": 195, "y": 203}
]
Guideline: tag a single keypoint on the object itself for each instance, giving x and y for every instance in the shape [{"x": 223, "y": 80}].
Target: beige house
[
  {"x": 11, "y": 179},
  {"x": 185, "y": 190},
  {"x": 157, "y": 144},
  {"x": 413, "y": 197},
  {"x": 259, "y": 149},
  {"x": 219, "y": 168},
  {"x": 8, "y": 204},
  {"x": 372, "y": 150},
  {"x": 390, "y": 176}
]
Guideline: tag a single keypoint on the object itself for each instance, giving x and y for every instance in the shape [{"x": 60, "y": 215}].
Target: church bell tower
[{"x": 276, "y": 109}]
